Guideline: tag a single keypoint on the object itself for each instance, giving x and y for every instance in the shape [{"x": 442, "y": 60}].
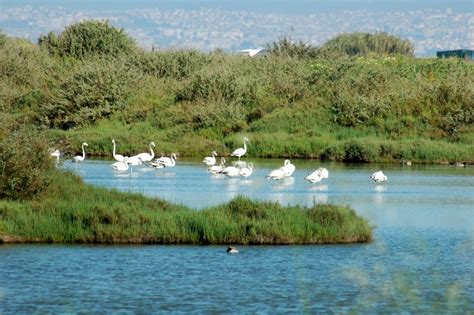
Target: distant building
[
  {"x": 459, "y": 53},
  {"x": 252, "y": 52}
]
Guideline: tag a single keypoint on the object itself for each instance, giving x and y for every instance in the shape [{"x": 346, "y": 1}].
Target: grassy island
[{"x": 69, "y": 211}]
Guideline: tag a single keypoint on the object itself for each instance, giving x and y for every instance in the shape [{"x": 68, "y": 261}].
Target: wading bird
[
  {"x": 378, "y": 177},
  {"x": 276, "y": 174},
  {"x": 246, "y": 171},
  {"x": 121, "y": 166},
  {"x": 165, "y": 161},
  {"x": 288, "y": 168},
  {"x": 317, "y": 175},
  {"x": 230, "y": 171},
  {"x": 79, "y": 158},
  {"x": 241, "y": 151},
  {"x": 215, "y": 169},
  {"x": 147, "y": 157},
  {"x": 210, "y": 160},
  {"x": 117, "y": 157}
]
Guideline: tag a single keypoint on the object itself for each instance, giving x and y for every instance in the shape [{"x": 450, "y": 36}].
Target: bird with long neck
[
  {"x": 117, "y": 157},
  {"x": 79, "y": 158},
  {"x": 210, "y": 160},
  {"x": 240, "y": 151},
  {"x": 165, "y": 161},
  {"x": 217, "y": 168},
  {"x": 147, "y": 157}
]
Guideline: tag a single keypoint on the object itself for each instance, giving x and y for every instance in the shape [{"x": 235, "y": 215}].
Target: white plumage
[
  {"x": 276, "y": 174},
  {"x": 317, "y": 175},
  {"x": 117, "y": 157},
  {"x": 210, "y": 160},
  {"x": 288, "y": 168},
  {"x": 230, "y": 171},
  {"x": 147, "y": 157},
  {"x": 165, "y": 161},
  {"x": 217, "y": 168},
  {"x": 240, "y": 151},
  {"x": 378, "y": 177},
  {"x": 80, "y": 158},
  {"x": 121, "y": 166},
  {"x": 246, "y": 171}
]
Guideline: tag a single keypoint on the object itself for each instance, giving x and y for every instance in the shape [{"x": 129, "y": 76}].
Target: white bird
[
  {"x": 117, "y": 157},
  {"x": 121, "y": 166},
  {"x": 79, "y": 158},
  {"x": 288, "y": 168},
  {"x": 232, "y": 250},
  {"x": 378, "y": 177},
  {"x": 240, "y": 151},
  {"x": 230, "y": 171},
  {"x": 217, "y": 168},
  {"x": 210, "y": 160},
  {"x": 134, "y": 160},
  {"x": 246, "y": 171},
  {"x": 165, "y": 161},
  {"x": 54, "y": 154},
  {"x": 147, "y": 157},
  {"x": 317, "y": 175},
  {"x": 276, "y": 174}
]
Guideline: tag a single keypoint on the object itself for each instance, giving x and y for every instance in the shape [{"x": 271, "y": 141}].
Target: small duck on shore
[{"x": 232, "y": 250}]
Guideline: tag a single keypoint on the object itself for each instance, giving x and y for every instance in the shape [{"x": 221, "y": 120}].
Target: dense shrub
[
  {"x": 363, "y": 44},
  {"x": 90, "y": 92},
  {"x": 24, "y": 71},
  {"x": 89, "y": 38},
  {"x": 286, "y": 47},
  {"x": 25, "y": 164}
]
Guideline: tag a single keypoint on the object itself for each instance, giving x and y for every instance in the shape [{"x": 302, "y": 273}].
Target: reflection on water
[
  {"x": 420, "y": 260},
  {"x": 415, "y": 195}
]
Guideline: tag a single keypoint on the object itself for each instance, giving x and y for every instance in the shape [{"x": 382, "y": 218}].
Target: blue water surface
[{"x": 421, "y": 259}]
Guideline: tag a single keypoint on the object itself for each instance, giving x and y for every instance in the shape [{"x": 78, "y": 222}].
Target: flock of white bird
[{"x": 123, "y": 163}]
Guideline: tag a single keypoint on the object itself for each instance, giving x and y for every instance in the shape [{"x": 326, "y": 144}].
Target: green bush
[
  {"x": 363, "y": 44},
  {"x": 89, "y": 38},
  {"x": 90, "y": 92},
  {"x": 25, "y": 164}
]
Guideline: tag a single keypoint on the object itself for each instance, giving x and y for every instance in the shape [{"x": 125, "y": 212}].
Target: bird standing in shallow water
[
  {"x": 117, "y": 157},
  {"x": 317, "y": 175},
  {"x": 79, "y": 158},
  {"x": 240, "y": 151},
  {"x": 215, "y": 169},
  {"x": 210, "y": 160},
  {"x": 246, "y": 171}
]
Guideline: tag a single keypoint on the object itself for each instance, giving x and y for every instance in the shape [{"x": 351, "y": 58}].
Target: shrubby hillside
[{"x": 359, "y": 97}]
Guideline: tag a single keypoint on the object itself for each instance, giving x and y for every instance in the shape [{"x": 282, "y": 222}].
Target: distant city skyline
[{"x": 230, "y": 25}]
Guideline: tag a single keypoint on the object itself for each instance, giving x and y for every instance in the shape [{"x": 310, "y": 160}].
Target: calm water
[{"x": 421, "y": 259}]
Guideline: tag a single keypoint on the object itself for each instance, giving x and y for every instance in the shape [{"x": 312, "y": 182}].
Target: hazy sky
[{"x": 208, "y": 24}]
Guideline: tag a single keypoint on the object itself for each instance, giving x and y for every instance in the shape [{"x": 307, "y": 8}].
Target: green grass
[{"x": 69, "y": 211}]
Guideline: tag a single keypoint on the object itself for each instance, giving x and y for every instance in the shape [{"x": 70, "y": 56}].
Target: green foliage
[
  {"x": 89, "y": 38},
  {"x": 90, "y": 92},
  {"x": 24, "y": 81},
  {"x": 25, "y": 165},
  {"x": 72, "y": 212},
  {"x": 363, "y": 44},
  {"x": 177, "y": 64},
  {"x": 296, "y": 101},
  {"x": 286, "y": 47}
]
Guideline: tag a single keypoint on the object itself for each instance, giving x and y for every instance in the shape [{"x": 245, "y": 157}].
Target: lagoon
[{"x": 420, "y": 259}]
